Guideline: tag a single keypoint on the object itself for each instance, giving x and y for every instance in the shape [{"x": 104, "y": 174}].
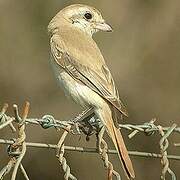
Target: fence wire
[{"x": 82, "y": 124}]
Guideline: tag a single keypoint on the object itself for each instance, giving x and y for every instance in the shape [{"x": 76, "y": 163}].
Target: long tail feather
[{"x": 123, "y": 153}]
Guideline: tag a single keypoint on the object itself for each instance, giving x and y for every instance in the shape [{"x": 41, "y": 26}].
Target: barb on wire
[
  {"x": 84, "y": 123},
  {"x": 4, "y": 120}
]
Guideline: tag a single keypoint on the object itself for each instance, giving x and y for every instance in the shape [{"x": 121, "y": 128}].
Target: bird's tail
[{"x": 118, "y": 141}]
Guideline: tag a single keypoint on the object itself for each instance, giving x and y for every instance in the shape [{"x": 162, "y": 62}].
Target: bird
[{"x": 81, "y": 70}]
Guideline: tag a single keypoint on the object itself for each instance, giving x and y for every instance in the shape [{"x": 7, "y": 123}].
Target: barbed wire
[{"x": 84, "y": 123}]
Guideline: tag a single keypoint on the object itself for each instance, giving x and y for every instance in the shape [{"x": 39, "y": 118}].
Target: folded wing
[{"x": 98, "y": 79}]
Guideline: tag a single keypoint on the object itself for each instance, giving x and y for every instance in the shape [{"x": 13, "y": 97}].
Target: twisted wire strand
[
  {"x": 164, "y": 143},
  {"x": 107, "y": 163},
  {"x": 20, "y": 141},
  {"x": 7, "y": 168},
  {"x": 62, "y": 159},
  {"x": 102, "y": 148},
  {"x": 146, "y": 127}
]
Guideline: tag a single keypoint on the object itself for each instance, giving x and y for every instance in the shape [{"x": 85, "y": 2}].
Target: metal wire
[
  {"x": 17, "y": 147},
  {"x": 102, "y": 150}
]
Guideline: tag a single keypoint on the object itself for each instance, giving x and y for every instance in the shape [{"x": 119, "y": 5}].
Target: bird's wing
[{"x": 100, "y": 81}]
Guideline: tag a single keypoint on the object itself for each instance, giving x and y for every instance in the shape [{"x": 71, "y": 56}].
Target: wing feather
[{"x": 100, "y": 80}]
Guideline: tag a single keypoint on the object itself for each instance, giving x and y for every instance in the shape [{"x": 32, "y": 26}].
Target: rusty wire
[
  {"x": 17, "y": 150},
  {"x": 17, "y": 147}
]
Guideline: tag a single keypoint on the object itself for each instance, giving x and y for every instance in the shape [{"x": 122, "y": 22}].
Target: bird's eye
[{"x": 88, "y": 15}]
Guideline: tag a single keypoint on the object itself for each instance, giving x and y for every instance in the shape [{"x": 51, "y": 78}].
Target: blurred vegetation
[{"x": 142, "y": 53}]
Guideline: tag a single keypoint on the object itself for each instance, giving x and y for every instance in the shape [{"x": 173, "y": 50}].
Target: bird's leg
[
  {"x": 99, "y": 136},
  {"x": 84, "y": 115}
]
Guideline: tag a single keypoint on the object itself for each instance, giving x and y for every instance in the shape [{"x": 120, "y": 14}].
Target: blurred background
[{"x": 143, "y": 55}]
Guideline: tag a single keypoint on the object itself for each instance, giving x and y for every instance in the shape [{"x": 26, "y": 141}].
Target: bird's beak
[{"x": 102, "y": 26}]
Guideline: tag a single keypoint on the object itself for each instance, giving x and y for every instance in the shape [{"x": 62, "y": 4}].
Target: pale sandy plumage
[{"x": 82, "y": 72}]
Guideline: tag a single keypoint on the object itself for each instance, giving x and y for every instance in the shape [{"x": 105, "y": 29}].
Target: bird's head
[{"x": 86, "y": 18}]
